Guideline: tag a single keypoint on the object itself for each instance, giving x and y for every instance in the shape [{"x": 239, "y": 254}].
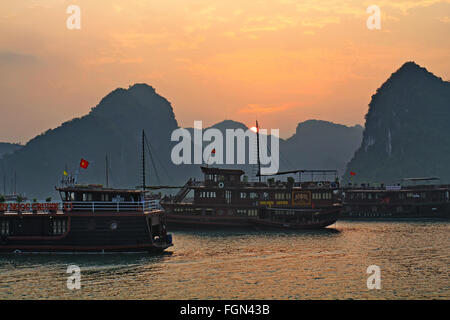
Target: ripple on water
[{"x": 328, "y": 264}]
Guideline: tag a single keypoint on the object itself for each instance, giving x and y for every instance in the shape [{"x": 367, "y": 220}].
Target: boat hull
[
  {"x": 81, "y": 232},
  {"x": 321, "y": 219}
]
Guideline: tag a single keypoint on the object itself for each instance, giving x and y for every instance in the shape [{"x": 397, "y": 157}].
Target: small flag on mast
[
  {"x": 65, "y": 173},
  {"x": 84, "y": 164},
  {"x": 352, "y": 173}
]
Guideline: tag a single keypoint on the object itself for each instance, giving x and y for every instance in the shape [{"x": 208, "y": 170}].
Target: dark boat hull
[
  {"x": 390, "y": 211},
  {"x": 182, "y": 221},
  {"x": 80, "y": 233}
]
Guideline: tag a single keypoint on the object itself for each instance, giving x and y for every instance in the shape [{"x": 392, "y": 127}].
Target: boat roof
[
  {"x": 208, "y": 170},
  {"x": 422, "y": 179},
  {"x": 97, "y": 188},
  {"x": 403, "y": 189},
  {"x": 320, "y": 171}
]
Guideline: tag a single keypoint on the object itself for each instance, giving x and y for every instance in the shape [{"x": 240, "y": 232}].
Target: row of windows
[
  {"x": 400, "y": 195},
  {"x": 207, "y": 194},
  {"x": 4, "y": 228},
  {"x": 59, "y": 226},
  {"x": 185, "y": 209},
  {"x": 321, "y": 196},
  {"x": 282, "y": 196},
  {"x": 249, "y": 212},
  {"x": 285, "y": 212},
  {"x": 251, "y": 195}
]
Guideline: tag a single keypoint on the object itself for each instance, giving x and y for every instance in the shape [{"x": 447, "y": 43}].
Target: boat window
[
  {"x": 228, "y": 196},
  {"x": 243, "y": 195},
  {"x": 252, "y": 212}
]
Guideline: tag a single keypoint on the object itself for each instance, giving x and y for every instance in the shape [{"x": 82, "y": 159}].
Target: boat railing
[
  {"x": 88, "y": 206},
  {"x": 121, "y": 206}
]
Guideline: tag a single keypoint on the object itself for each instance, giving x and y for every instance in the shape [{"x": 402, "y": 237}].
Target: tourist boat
[
  {"x": 403, "y": 200},
  {"x": 224, "y": 199},
  {"x": 89, "y": 218}
]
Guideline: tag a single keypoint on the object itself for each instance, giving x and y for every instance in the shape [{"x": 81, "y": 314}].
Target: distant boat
[{"x": 397, "y": 201}]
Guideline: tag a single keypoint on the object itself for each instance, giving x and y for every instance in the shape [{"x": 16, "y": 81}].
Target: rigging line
[
  {"x": 151, "y": 158},
  {"x": 149, "y": 145},
  {"x": 282, "y": 159}
]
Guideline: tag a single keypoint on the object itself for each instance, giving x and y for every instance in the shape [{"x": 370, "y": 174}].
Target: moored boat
[
  {"x": 397, "y": 201},
  {"x": 89, "y": 218},
  {"x": 223, "y": 200}
]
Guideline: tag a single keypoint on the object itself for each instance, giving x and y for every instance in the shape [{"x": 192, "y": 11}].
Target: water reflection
[{"x": 329, "y": 263}]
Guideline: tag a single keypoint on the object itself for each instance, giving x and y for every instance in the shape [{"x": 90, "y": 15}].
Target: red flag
[
  {"x": 352, "y": 173},
  {"x": 213, "y": 151},
  {"x": 84, "y": 164}
]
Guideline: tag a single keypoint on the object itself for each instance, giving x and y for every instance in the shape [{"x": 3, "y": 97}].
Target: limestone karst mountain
[{"x": 407, "y": 131}]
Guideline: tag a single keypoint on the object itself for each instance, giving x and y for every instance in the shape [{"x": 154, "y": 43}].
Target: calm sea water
[{"x": 414, "y": 259}]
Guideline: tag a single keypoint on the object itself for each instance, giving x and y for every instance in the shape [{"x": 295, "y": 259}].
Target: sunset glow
[{"x": 280, "y": 61}]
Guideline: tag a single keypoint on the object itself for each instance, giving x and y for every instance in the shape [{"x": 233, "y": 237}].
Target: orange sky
[{"x": 281, "y": 61}]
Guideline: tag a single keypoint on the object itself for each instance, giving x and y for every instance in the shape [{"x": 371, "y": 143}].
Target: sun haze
[{"x": 279, "y": 61}]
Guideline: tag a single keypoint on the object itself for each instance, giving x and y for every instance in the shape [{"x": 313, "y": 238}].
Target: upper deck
[
  {"x": 225, "y": 187},
  {"x": 95, "y": 198},
  {"x": 87, "y": 198}
]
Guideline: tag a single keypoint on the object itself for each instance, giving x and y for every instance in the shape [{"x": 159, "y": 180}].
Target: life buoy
[
  {"x": 68, "y": 206},
  {"x": 221, "y": 184}
]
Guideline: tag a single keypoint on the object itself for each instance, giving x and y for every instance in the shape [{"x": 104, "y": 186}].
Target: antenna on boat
[{"x": 257, "y": 151}]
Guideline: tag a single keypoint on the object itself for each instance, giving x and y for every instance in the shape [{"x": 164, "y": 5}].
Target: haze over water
[{"x": 328, "y": 264}]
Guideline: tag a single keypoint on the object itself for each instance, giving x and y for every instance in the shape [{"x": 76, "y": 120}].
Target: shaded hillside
[
  {"x": 321, "y": 145},
  {"x": 316, "y": 144},
  {"x": 8, "y": 148},
  {"x": 407, "y": 132},
  {"x": 112, "y": 128}
]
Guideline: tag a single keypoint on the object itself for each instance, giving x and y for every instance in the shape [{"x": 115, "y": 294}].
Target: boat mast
[
  {"x": 107, "y": 180},
  {"x": 257, "y": 151},
  {"x": 143, "y": 160}
]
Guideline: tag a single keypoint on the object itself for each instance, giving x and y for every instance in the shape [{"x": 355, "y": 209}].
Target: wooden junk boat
[
  {"x": 89, "y": 219},
  {"x": 223, "y": 199},
  {"x": 419, "y": 200}
]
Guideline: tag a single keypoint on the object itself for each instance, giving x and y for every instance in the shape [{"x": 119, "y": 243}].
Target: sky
[{"x": 279, "y": 61}]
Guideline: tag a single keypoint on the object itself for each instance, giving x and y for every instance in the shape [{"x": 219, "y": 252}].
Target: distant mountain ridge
[
  {"x": 407, "y": 131},
  {"x": 113, "y": 128}
]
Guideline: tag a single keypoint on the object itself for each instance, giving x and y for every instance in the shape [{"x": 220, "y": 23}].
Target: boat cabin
[
  {"x": 96, "y": 198},
  {"x": 221, "y": 177}
]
